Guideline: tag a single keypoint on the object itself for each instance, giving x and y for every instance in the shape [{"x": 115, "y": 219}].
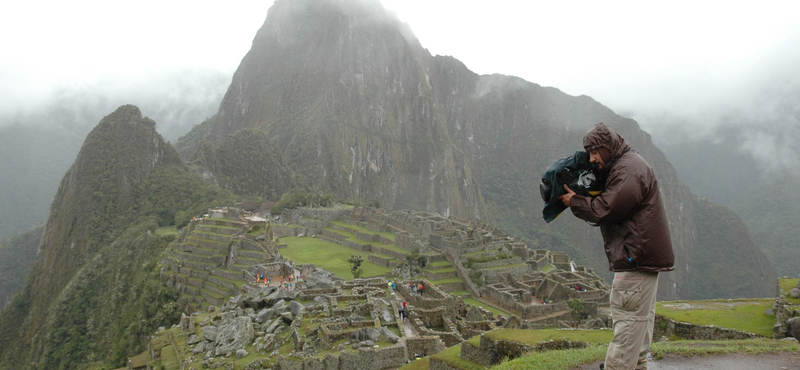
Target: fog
[{"x": 676, "y": 67}]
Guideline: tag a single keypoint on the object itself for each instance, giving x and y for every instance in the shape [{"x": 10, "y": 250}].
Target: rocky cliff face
[
  {"x": 361, "y": 109},
  {"x": 346, "y": 93}
]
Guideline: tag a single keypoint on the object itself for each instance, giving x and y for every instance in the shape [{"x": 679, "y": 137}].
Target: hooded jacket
[{"x": 629, "y": 210}]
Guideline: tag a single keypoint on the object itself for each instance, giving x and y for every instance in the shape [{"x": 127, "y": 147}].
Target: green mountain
[
  {"x": 93, "y": 293},
  {"x": 358, "y": 108}
]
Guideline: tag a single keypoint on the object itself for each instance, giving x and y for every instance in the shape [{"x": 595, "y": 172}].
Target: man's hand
[{"x": 567, "y": 198}]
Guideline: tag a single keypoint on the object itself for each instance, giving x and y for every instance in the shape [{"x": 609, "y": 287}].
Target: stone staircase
[{"x": 206, "y": 266}]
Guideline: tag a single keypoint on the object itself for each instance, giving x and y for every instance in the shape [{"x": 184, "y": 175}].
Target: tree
[
  {"x": 355, "y": 265},
  {"x": 577, "y": 307}
]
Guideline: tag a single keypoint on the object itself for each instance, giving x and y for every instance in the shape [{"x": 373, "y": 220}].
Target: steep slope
[
  {"x": 17, "y": 254},
  {"x": 93, "y": 293},
  {"x": 360, "y": 109},
  {"x": 246, "y": 162},
  {"x": 345, "y": 92}
]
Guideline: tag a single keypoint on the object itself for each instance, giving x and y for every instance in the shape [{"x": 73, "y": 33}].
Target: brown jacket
[{"x": 629, "y": 211}]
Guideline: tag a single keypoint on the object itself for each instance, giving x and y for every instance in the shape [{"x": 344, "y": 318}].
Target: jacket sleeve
[{"x": 616, "y": 203}]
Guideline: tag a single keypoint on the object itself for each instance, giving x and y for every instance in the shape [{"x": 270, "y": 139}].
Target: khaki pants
[{"x": 633, "y": 310}]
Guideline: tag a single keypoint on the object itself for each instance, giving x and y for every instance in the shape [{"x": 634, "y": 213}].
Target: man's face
[{"x": 596, "y": 158}]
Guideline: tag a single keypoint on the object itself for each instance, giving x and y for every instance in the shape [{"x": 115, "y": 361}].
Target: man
[{"x": 637, "y": 242}]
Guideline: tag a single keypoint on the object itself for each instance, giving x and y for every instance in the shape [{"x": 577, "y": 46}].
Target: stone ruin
[{"x": 358, "y": 318}]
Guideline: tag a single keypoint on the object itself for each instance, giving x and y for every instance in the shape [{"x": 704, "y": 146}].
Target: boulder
[
  {"x": 234, "y": 336},
  {"x": 187, "y": 323},
  {"x": 295, "y": 308},
  {"x": 210, "y": 333},
  {"x": 200, "y": 348},
  {"x": 793, "y": 328},
  {"x": 193, "y": 339},
  {"x": 319, "y": 279},
  {"x": 794, "y": 293},
  {"x": 279, "y": 307},
  {"x": 474, "y": 314},
  {"x": 241, "y": 353},
  {"x": 390, "y": 336},
  {"x": 274, "y": 325},
  {"x": 261, "y": 316},
  {"x": 287, "y": 317}
]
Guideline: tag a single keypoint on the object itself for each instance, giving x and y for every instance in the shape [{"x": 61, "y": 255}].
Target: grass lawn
[
  {"x": 547, "y": 268},
  {"x": 453, "y": 358},
  {"x": 420, "y": 364},
  {"x": 532, "y": 337},
  {"x": 503, "y": 266},
  {"x": 446, "y": 281},
  {"x": 786, "y": 286},
  {"x": 441, "y": 263},
  {"x": 329, "y": 256},
  {"x": 740, "y": 314},
  {"x": 496, "y": 311},
  {"x": 568, "y": 359},
  {"x": 167, "y": 230}
]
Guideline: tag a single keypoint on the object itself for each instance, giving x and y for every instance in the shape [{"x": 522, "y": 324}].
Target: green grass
[
  {"x": 207, "y": 226},
  {"x": 547, "y": 268},
  {"x": 740, "y": 314},
  {"x": 504, "y": 266},
  {"x": 532, "y": 337},
  {"x": 786, "y": 286},
  {"x": 441, "y": 263},
  {"x": 460, "y": 293},
  {"x": 329, "y": 256},
  {"x": 364, "y": 230},
  {"x": 496, "y": 311},
  {"x": 568, "y": 359},
  {"x": 447, "y": 281},
  {"x": 419, "y": 364},
  {"x": 167, "y": 230},
  {"x": 451, "y": 356},
  {"x": 352, "y": 237},
  {"x": 452, "y": 269},
  {"x": 473, "y": 254}
]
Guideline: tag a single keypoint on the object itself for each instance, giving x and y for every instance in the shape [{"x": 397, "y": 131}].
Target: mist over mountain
[
  {"x": 39, "y": 144},
  {"x": 360, "y": 109},
  {"x": 748, "y": 164}
]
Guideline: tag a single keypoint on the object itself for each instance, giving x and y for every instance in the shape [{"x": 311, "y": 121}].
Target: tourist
[
  {"x": 421, "y": 288},
  {"x": 414, "y": 289},
  {"x": 637, "y": 242}
]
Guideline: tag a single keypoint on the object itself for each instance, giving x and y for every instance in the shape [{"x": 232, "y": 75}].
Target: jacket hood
[{"x": 602, "y": 136}]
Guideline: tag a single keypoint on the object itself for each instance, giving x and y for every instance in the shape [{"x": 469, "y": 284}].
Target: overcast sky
[{"x": 687, "y": 58}]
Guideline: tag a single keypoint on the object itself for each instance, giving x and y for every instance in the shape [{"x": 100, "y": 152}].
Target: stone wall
[
  {"x": 667, "y": 327},
  {"x": 494, "y": 274},
  {"x": 429, "y": 345},
  {"x": 502, "y": 262}
]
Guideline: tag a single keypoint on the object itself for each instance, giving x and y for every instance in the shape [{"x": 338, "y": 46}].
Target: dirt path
[{"x": 780, "y": 361}]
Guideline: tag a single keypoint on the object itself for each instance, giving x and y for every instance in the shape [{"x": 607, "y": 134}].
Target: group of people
[
  {"x": 416, "y": 288},
  {"x": 286, "y": 282}
]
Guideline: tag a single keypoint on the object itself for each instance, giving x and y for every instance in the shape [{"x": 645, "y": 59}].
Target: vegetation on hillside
[{"x": 103, "y": 297}]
